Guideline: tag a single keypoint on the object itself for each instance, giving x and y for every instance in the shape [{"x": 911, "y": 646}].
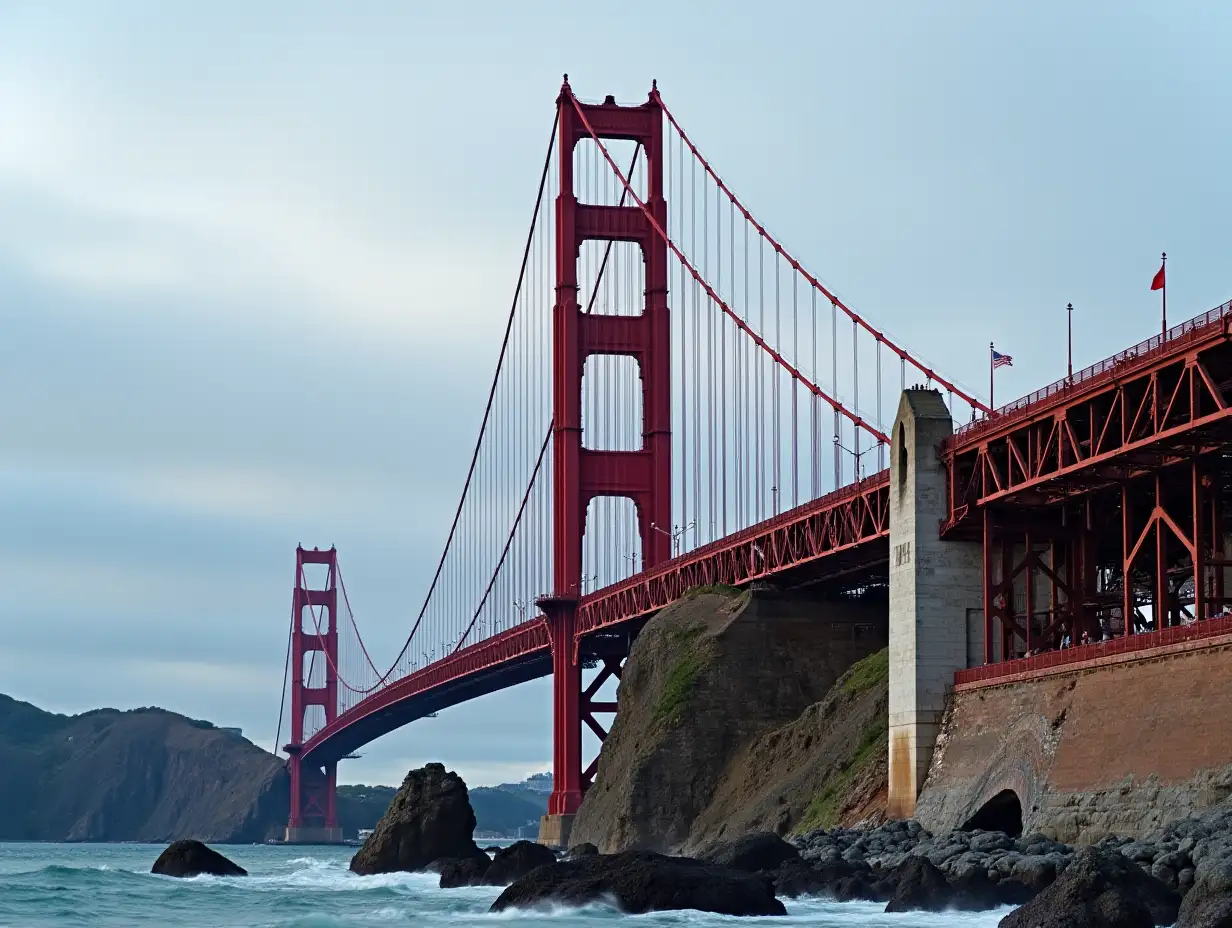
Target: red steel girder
[
  {"x": 518, "y": 642},
  {"x": 1148, "y": 407},
  {"x": 839, "y": 521}
]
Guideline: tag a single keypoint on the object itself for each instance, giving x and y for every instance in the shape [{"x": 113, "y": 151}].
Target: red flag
[{"x": 1157, "y": 283}]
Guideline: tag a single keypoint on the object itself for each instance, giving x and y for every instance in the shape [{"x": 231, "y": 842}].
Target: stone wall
[{"x": 1119, "y": 745}]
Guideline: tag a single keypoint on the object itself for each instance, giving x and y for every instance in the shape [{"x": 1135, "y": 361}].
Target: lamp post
[
  {"x": 675, "y": 534},
  {"x": 1069, "y": 342},
  {"x": 856, "y": 454}
]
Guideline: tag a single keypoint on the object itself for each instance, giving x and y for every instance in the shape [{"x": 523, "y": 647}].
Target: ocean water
[{"x": 110, "y": 886}]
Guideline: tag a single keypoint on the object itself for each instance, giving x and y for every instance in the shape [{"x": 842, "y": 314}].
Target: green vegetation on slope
[
  {"x": 866, "y": 673},
  {"x": 826, "y": 807},
  {"x": 683, "y": 674},
  {"x": 823, "y": 811}
]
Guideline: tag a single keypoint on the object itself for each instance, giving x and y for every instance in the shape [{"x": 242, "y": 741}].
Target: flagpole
[{"x": 1164, "y": 291}]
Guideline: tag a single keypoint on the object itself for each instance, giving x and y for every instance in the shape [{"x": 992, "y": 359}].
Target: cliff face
[
  {"x": 825, "y": 769},
  {"x": 144, "y": 775},
  {"x": 707, "y": 681}
]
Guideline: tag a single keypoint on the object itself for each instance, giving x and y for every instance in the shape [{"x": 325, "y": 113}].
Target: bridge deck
[
  {"x": 846, "y": 529},
  {"x": 1133, "y": 413}
]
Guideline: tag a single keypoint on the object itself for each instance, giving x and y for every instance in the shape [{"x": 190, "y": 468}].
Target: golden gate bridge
[{"x": 679, "y": 402}]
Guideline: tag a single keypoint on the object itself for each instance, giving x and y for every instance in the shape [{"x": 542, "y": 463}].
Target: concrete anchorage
[{"x": 936, "y": 592}]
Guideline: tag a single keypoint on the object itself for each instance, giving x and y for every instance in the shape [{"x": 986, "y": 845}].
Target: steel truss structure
[
  {"x": 840, "y": 521},
  {"x": 1098, "y": 501}
]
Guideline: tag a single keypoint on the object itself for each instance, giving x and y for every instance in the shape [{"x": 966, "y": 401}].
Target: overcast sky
[{"x": 242, "y": 243}]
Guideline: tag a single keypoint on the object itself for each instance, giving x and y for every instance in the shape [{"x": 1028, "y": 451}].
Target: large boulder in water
[
  {"x": 921, "y": 886},
  {"x": 517, "y": 860},
  {"x": 640, "y": 881},
  {"x": 461, "y": 871},
  {"x": 429, "y": 819},
  {"x": 192, "y": 858},
  {"x": 1099, "y": 889}
]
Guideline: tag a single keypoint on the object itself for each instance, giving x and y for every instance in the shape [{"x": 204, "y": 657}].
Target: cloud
[
  {"x": 256, "y": 259},
  {"x": 115, "y": 206}
]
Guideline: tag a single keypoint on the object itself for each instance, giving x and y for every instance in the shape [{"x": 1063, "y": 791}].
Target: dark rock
[
  {"x": 429, "y": 819},
  {"x": 639, "y": 881},
  {"x": 517, "y": 860},
  {"x": 751, "y": 853},
  {"x": 461, "y": 871},
  {"x": 840, "y": 880},
  {"x": 1099, "y": 889},
  {"x": 585, "y": 849},
  {"x": 1208, "y": 904},
  {"x": 978, "y": 890},
  {"x": 1035, "y": 871},
  {"x": 192, "y": 858},
  {"x": 920, "y": 885}
]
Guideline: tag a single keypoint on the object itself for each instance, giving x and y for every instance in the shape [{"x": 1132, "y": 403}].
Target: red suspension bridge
[{"x": 628, "y": 453}]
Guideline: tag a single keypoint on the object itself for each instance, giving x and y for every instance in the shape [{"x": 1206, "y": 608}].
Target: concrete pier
[{"x": 935, "y": 586}]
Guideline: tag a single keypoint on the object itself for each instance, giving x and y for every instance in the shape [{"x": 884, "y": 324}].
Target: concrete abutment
[{"x": 935, "y": 586}]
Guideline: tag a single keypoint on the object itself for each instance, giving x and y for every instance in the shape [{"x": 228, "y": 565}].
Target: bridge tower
[
  {"x": 582, "y": 474},
  {"x": 936, "y": 594},
  {"x": 314, "y": 644}
]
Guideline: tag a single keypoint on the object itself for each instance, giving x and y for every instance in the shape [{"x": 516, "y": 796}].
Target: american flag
[{"x": 1001, "y": 360}]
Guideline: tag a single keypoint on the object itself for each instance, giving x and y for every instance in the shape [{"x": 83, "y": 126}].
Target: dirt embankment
[
  {"x": 827, "y": 768},
  {"x": 737, "y": 713}
]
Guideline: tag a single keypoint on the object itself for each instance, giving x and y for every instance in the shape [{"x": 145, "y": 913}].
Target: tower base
[
  {"x": 313, "y": 835},
  {"x": 554, "y": 830}
]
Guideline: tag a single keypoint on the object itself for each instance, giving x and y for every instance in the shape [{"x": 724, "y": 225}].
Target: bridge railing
[
  {"x": 1143, "y": 641},
  {"x": 1020, "y": 408}
]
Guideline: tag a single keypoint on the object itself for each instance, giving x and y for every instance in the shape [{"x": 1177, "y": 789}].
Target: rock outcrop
[
  {"x": 141, "y": 775},
  {"x": 461, "y": 871},
  {"x": 517, "y": 860},
  {"x": 1099, "y": 889},
  {"x": 824, "y": 769},
  {"x": 692, "y": 704},
  {"x": 507, "y": 865},
  {"x": 429, "y": 820},
  {"x": 921, "y": 886},
  {"x": 1208, "y": 904},
  {"x": 760, "y": 851},
  {"x": 192, "y": 858},
  {"x": 640, "y": 881}
]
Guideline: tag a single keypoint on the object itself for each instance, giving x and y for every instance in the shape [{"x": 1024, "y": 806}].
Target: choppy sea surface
[{"x": 110, "y": 886}]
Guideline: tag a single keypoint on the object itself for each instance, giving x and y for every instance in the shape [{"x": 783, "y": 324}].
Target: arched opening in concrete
[
  {"x": 1003, "y": 812},
  {"x": 902, "y": 458}
]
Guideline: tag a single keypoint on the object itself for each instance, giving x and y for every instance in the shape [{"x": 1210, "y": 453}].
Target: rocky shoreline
[
  {"x": 1191, "y": 858},
  {"x": 1182, "y": 875},
  {"x": 1172, "y": 856}
]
